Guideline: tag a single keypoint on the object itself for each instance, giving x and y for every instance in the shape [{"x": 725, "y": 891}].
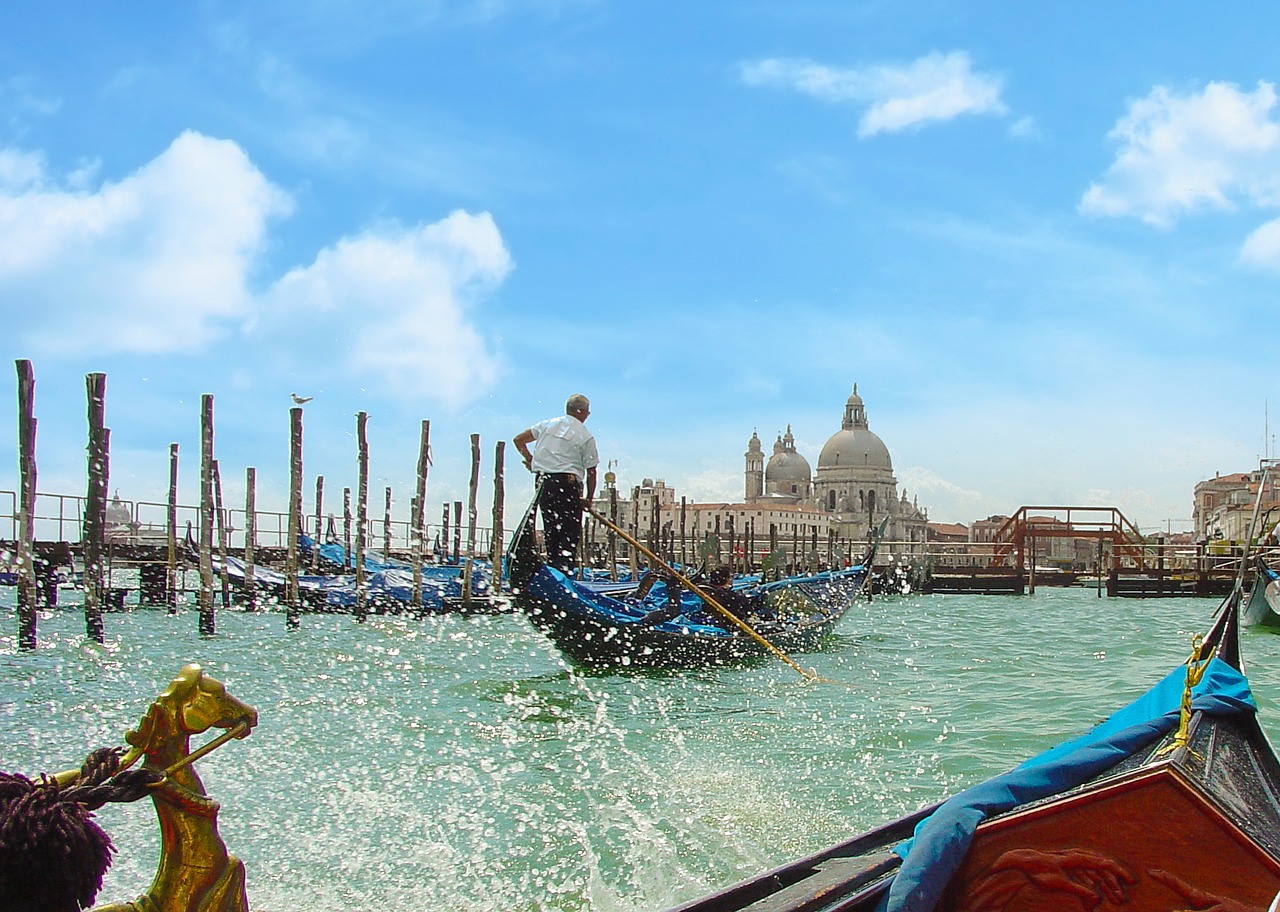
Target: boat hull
[
  {"x": 1262, "y": 608},
  {"x": 597, "y": 631}
]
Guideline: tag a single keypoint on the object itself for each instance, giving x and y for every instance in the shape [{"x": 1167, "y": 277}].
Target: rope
[{"x": 1195, "y": 672}]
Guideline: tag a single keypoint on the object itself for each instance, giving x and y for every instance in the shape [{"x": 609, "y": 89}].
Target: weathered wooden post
[
  {"x": 362, "y": 511},
  {"x": 172, "y": 531},
  {"x": 26, "y": 505},
  {"x": 472, "y": 487},
  {"x": 95, "y": 510},
  {"x": 249, "y": 593},
  {"x": 613, "y": 536},
  {"x": 386, "y": 528},
  {"x": 292, "y": 596},
  {"x": 499, "y": 500},
  {"x": 457, "y": 532},
  {"x": 417, "y": 519},
  {"x": 207, "y": 624},
  {"x": 346, "y": 530},
  {"x": 635, "y": 528},
  {"x": 315, "y": 547},
  {"x": 684, "y": 543},
  {"x": 223, "y": 576},
  {"x": 444, "y": 527}
]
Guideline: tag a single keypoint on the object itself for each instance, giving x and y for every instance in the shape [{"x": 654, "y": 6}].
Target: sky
[{"x": 1042, "y": 239}]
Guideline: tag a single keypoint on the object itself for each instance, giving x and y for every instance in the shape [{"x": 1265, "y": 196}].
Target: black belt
[{"x": 560, "y": 475}]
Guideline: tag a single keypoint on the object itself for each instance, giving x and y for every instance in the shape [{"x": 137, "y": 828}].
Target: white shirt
[{"x": 563, "y": 444}]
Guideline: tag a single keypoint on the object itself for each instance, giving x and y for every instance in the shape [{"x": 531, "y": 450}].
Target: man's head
[{"x": 578, "y": 406}]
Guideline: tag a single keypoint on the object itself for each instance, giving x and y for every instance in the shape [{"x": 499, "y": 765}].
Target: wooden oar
[{"x": 702, "y": 594}]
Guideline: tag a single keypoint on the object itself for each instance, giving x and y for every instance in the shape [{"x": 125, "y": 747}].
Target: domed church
[{"x": 854, "y": 483}]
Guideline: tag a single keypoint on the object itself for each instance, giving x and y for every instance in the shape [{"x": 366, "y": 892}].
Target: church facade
[{"x": 854, "y": 486}]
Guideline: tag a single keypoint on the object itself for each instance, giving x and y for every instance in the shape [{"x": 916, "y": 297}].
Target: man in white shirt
[{"x": 563, "y": 459}]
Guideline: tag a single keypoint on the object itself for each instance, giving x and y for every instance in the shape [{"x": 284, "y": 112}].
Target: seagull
[{"x": 301, "y": 400}]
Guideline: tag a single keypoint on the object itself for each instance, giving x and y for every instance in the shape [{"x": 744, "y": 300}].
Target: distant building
[
  {"x": 854, "y": 487},
  {"x": 851, "y": 493},
  {"x": 1224, "y": 505}
]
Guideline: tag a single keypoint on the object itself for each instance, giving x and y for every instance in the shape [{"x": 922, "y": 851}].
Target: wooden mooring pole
[
  {"x": 26, "y": 505},
  {"x": 386, "y": 528},
  {"x": 208, "y": 626},
  {"x": 249, "y": 594},
  {"x": 362, "y": 511},
  {"x": 171, "y": 596},
  {"x": 417, "y": 521},
  {"x": 292, "y": 606},
  {"x": 472, "y": 488},
  {"x": 498, "y": 548},
  {"x": 223, "y": 575},
  {"x": 457, "y": 531},
  {"x": 95, "y": 510},
  {"x": 347, "y": 562},
  {"x": 315, "y": 548}
]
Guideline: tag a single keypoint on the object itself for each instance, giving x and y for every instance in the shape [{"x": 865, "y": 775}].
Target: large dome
[{"x": 854, "y": 446}]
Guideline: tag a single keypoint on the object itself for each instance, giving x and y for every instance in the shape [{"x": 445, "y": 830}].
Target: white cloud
[
  {"x": 1214, "y": 149},
  {"x": 1262, "y": 247},
  {"x": 936, "y": 87},
  {"x": 396, "y": 301},
  {"x": 944, "y": 500},
  {"x": 156, "y": 262}
]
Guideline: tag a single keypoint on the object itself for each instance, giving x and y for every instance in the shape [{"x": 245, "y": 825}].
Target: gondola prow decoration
[{"x": 51, "y": 838}]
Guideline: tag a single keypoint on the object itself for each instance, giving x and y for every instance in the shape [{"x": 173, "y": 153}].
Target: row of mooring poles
[{"x": 214, "y": 532}]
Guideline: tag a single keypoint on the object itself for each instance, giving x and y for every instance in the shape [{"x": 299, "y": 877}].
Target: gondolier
[{"x": 563, "y": 460}]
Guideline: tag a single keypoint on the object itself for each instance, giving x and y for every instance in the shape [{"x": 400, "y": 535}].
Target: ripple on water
[{"x": 458, "y": 762}]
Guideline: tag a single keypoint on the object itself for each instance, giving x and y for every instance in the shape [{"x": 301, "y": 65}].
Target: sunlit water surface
[{"x": 457, "y": 763}]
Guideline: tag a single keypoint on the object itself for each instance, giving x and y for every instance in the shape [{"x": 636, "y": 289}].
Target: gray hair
[{"x": 577, "y": 403}]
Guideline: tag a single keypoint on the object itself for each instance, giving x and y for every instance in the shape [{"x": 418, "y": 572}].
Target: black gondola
[{"x": 661, "y": 624}]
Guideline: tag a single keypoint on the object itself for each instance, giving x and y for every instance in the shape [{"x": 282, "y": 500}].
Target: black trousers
[{"x": 561, "y": 506}]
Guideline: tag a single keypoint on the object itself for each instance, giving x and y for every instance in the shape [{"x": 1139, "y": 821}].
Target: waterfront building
[{"x": 1224, "y": 504}]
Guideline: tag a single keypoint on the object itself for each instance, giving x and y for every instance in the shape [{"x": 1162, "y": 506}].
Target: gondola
[
  {"x": 1172, "y": 803},
  {"x": 659, "y": 623},
  {"x": 1263, "y": 607}
]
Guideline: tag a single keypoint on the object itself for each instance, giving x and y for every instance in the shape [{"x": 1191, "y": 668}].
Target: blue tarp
[{"x": 941, "y": 840}]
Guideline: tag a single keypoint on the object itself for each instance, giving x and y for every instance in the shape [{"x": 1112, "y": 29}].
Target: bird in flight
[{"x": 301, "y": 400}]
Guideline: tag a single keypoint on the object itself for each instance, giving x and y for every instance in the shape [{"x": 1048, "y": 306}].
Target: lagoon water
[{"x": 457, "y": 763}]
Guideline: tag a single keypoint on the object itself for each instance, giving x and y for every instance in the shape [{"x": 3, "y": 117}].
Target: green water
[{"x": 456, "y": 763}]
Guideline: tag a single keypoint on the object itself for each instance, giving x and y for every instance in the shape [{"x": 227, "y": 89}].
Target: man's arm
[
  {"x": 591, "y": 486},
  {"x": 522, "y": 441}
]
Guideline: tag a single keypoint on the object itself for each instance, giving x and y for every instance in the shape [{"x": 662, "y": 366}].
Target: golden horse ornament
[{"x": 195, "y": 873}]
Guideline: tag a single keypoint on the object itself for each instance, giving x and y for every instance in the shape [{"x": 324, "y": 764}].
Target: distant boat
[
  {"x": 658, "y": 623},
  {"x": 1153, "y": 810},
  {"x": 1263, "y": 607}
]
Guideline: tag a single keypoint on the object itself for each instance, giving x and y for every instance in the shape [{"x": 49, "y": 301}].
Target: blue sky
[{"x": 1044, "y": 240}]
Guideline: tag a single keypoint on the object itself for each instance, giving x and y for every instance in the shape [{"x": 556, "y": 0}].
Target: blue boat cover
[{"x": 941, "y": 840}]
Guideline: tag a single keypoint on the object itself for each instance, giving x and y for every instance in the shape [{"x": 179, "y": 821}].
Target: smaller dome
[
  {"x": 786, "y": 465},
  {"x": 118, "y": 513}
]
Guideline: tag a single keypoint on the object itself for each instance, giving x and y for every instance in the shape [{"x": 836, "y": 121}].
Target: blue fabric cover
[{"x": 941, "y": 840}]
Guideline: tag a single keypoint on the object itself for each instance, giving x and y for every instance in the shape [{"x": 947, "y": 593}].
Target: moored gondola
[
  {"x": 1171, "y": 803},
  {"x": 1263, "y": 607}
]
